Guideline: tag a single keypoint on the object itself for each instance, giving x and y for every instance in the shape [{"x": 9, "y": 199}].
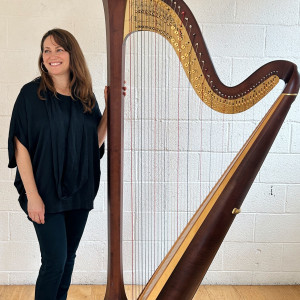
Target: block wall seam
[
  {"x": 6, "y": 33},
  {"x": 253, "y": 230},
  {"x": 299, "y": 13},
  {"x": 235, "y": 11},
  {"x": 285, "y": 198},
  {"x": 265, "y": 41},
  {"x": 290, "y": 138},
  {"x": 9, "y": 231}
]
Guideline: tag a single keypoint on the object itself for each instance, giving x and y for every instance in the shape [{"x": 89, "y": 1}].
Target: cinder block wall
[{"x": 263, "y": 244}]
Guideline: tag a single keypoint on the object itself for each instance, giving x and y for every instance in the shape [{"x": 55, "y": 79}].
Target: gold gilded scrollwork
[{"x": 151, "y": 16}]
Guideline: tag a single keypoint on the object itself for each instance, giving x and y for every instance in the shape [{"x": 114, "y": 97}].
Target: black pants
[{"x": 59, "y": 238}]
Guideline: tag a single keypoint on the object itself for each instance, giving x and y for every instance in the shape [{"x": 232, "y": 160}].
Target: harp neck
[{"x": 174, "y": 21}]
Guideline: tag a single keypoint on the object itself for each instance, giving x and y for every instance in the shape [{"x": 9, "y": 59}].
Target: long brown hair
[{"x": 81, "y": 82}]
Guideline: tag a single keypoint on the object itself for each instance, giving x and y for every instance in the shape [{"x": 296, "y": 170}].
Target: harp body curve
[{"x": 179, "y": 274}]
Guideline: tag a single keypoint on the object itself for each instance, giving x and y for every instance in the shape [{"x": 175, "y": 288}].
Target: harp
[{"x": 182, "y": 270}]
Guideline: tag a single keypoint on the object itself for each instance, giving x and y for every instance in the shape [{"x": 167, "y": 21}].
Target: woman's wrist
[{"x": 31, "y": 193}]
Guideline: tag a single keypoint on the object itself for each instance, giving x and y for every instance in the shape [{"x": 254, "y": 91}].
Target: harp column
[{"x": 114, "y": 18}]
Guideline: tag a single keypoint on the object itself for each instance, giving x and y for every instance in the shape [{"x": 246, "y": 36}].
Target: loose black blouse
[{"x": 62, "y": 142}]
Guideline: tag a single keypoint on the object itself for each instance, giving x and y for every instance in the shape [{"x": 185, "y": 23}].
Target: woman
[{"x": 56, "y": 141}]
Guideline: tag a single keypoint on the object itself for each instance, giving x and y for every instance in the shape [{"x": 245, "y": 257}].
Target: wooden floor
[{"x": 205, "y": 292}]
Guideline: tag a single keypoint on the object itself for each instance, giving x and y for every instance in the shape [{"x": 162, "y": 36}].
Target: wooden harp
[{"x": 182, "y": 270}]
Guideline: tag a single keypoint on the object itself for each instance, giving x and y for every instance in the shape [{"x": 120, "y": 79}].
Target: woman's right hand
[
  {"x": 106, "y": 94},
  {"x": 36, "y": 208}
]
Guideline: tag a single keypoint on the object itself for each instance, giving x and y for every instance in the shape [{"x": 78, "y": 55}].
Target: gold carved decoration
[{"x": 156, "y": 16}]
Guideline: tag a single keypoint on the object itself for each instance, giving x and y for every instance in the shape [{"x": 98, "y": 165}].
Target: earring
[{"x": 43, "y": 68}]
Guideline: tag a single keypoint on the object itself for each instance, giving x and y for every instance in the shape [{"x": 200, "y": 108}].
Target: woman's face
[{"x": 55, "y": 58}]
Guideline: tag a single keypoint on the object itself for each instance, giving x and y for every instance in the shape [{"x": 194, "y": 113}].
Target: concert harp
[{"x": 181, "y": 271}]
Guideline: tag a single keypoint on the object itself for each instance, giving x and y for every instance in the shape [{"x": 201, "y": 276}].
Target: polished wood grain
[{"x": 205, "y": 292}]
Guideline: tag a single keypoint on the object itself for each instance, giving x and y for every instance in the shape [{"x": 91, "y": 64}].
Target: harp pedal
[{"x": 236, "y": 211}]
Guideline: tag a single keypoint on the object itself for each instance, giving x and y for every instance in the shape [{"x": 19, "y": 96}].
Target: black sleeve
[
  {"x": 18, "y": 127},
  {"x": 99, "y": 116}
]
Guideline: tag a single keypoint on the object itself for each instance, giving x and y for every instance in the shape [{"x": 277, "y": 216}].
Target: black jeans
[{"x": 59, "y": 238}]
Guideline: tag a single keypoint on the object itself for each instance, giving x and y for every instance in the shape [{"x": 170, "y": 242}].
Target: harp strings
[
  {"x": 151, "y": 165},
  {"x": 149, "y": 129},
  {"x": 176, "y": 147}
]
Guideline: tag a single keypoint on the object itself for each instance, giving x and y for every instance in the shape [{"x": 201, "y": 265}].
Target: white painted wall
[{"x": 263, "y": 245}]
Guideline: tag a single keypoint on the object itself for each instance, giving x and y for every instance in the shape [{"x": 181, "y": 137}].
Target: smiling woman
[
  {"x": 56, "y": 141},
  {"x": 63, "y": 68},
  {"x": 56, "y": 59}
]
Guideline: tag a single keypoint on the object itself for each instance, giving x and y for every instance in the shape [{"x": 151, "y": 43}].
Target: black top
[{"x": 63, "y": 145}]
